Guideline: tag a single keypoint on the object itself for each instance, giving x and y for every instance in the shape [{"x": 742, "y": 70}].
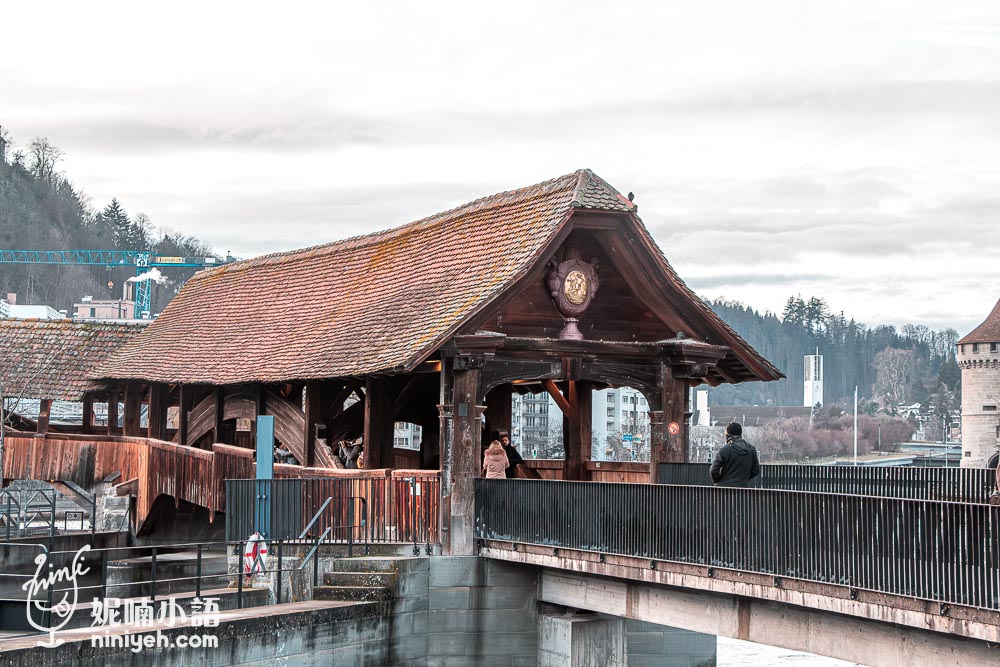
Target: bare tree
[
  {"x": 5, "y": 143},
  {"x": 43, "y": 156}
]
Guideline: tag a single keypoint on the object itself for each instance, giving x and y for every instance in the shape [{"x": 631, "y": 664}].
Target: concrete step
[
  {"x": 351, "y": 593},
  {"x": 368, "y": 564},
  {"x": 370, "y": 579}
]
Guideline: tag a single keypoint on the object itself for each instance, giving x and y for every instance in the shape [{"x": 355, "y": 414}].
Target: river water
[{"x": 734, "y": 653}]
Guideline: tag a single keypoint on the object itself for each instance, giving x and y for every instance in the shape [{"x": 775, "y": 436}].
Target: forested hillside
[
  {"x": 41, "y": 209},
  {"x": 889, "y": 366}
]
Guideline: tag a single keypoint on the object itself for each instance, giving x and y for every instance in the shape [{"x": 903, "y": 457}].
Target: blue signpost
[{"x": 265, "y": 471}]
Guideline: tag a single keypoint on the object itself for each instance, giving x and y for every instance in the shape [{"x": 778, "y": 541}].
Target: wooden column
[
  {"x": 578, "y": 431},
  {"x": 671, "y": 405},
  {"x": 87, "y": 425},
  {"x": 463, "y": 460},
  {"x": 378, "y": 425},
  {"x": 113, "y": 397},
  {"x": 133, "y": 406},
  {"x": 157, "y": 413},
  {"x": 318, "y": 412},
  {"x": 44, "y": 412},
  {"x": 219, "y": 430},
  {"x": 498, "y": 417},
  {"x": 185, "y": 400}
]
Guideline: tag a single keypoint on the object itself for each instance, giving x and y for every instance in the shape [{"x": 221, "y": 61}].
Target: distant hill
[
  {"x": 914, "y": 364},
  {"x": 40, "y": 209}
]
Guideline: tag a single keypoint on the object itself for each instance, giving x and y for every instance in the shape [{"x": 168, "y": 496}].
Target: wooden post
[
  {"x": 113, "y": 397},
  {"x": 464, "y": 458},
  {"x": 44, "y": 412},
  {"x": 378, "y": 425},
  {"x": 87, "y": 425},
  {"x": 667, "y": 409},
  {"x": 675, "y": 406},
  {"x": 157, "y": 413},
  {"x": 185, "y": 399},
  {"x": 133, "y": 405},
  {"x": 317, "y": 411},
  {"x": 219, "y": 430},
  {"x": 498, "y": 417},
  {"x": 578, "y": 431}
]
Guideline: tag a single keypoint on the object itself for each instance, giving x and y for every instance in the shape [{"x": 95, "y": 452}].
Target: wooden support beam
[
  {"x": 667, "y": 408},
  {"x": 87, "y": 425},
  {"x": 113, "y": 398},
  {"x": 44, "y": 412},
  {"x": 185, "y": 400},
  {"x": 351, "y": 420},
  {"x": 133, "y": 407},
  {"x": 578, "y": 431},
  {"x": 318, "y": 409},
  {"x": 378, "y": 425},
  {"x": 498, "y": 417},
  {"x": 557, "y": 396},
  {"x": 463, "y": 463},
  {"x": 219, "y": 430},
  {"x": 157, "y": 413}
]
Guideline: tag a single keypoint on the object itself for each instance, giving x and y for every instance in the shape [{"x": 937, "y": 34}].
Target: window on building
[
  {"x": 989, "y": 408},
  {"x": 975, "y": 348},
  {"x": 611, "y": 426},
  {"x": 93, "y": 312},
  {"x": 611, "y": 398},
  {"x": 611, "y": 412},
  {"x": 993, "y": 347}
]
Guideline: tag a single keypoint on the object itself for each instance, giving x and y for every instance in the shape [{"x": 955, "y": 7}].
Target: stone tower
[{"x": 979, "y": 359}]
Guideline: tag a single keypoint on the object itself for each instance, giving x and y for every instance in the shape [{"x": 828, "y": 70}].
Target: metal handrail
[{"x": 315, "y": 518}]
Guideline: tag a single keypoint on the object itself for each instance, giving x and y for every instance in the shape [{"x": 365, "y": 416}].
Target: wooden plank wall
[
  {"x": 198, "y": 476},
  {"x": 630, "y": 472}
]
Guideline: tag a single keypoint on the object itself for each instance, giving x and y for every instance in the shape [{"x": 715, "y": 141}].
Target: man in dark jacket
[{"x": 736, "y": 463}]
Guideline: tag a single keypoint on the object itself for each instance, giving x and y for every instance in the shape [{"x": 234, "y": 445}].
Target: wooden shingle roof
[
  {"x": 53, "y": 359},
  {"x": 988, "y": 331},
  {"x": 379, "y": 303}
]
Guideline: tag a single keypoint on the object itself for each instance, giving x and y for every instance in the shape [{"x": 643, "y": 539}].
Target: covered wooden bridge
[{"x": 557, "y": 287}]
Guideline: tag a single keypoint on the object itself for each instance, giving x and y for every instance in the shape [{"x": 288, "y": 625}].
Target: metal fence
[
  {"x": 360, "y": 509},
  {"x": 970, "y": 485},
  {"x": 943, "y": 551}
]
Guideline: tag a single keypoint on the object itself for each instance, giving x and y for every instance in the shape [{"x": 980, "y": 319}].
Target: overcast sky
[{"x": 849, "y": 150}]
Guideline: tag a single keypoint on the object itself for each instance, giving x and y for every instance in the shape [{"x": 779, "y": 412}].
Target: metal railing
[
  {"x": 970, "y": 485},
  {"x": 943, "y": 551},
  {"x": 98, "y": 584},
  {"x": 366, "y": 510}
]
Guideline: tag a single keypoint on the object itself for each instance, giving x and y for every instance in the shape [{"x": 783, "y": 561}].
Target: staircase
[{"x": 359, "y": 580}]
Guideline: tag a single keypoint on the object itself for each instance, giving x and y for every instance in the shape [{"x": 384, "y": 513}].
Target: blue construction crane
[{"x": 141, "y": 260}]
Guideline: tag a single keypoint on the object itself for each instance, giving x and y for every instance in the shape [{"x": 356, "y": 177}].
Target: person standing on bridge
[
  {"x": 495, "y": 461},
  {"x": 736, "y": 463}
]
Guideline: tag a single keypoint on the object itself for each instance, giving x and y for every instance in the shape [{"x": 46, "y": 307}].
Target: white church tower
[{"x": 812, "y": 392}]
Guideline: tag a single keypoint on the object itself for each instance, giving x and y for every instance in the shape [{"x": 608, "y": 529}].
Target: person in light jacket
[
  {"x": 736, "y": 463},
  {"x": 495, "y": 461}
]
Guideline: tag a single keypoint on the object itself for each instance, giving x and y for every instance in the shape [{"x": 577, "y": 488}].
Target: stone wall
[
  {"x": 652, "y": 645},
  {"x": 980, "y": 388}
]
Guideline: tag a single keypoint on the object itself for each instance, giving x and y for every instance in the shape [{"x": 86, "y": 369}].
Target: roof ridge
[
  {"x": 988, "y": 330},
  {"x": 361, "y": 240}
]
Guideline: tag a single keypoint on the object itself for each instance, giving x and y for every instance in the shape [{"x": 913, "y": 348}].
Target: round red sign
[{"x": 673, "y": 428}]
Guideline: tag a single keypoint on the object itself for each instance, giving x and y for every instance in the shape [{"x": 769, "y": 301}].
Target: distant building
[
  {"x": 407, "y": 436},
  {"x": 812, "y": 394},
  {"x": 10, "y": 308},
  {"x": 621, "y": 414},
  {"x": 103, "y": 309},
  {"x": 531, "y": 430},
  {"x": 979, "y": 359}
]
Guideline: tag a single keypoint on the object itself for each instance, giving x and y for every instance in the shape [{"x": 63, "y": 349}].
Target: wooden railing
[
  {"x": 153, "y": 468},
  {"x": 598, "y": 471}
]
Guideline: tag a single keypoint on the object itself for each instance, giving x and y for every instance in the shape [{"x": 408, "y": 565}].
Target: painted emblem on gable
[
  {"x": 572, "y": 284},
  {"x": 575, "y": 287}
]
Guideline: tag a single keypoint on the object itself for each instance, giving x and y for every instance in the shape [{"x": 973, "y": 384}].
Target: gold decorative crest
[{"x": 575, "y": 287}]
